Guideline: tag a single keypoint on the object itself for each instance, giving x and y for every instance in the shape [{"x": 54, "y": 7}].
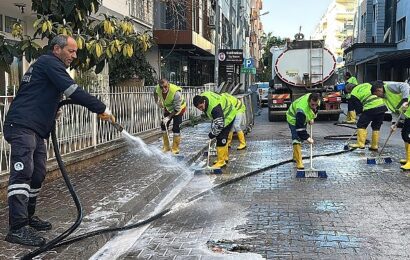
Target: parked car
[{"x": 263, "y": 90}]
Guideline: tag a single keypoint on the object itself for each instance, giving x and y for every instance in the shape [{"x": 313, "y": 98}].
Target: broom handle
[
  {"x": 391, "y": 132},
  {"x": 311, "y": 148},
  {"x": 166, "y": 127},
  {"x": 209, "y": 151}
]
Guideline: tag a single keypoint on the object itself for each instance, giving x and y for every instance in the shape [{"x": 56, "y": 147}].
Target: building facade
[
  {"x": 141, "y": 12},
  {"x": 381, "y": 50},
  {"x": 337, "y": 26}
]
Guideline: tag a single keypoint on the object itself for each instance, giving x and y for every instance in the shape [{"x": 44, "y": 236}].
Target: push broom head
[
  {"x": 379, "y": 160},
  {"x": 208, "y": 170},
  {"x": 311, "y": 173}
]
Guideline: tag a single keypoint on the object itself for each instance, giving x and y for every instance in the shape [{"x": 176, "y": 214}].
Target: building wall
[
  {"x": 336, "y": 25},
  {"x": 403, "y": 10}
]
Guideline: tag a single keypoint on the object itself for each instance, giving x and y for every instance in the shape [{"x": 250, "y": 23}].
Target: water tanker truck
[{"x": 300, "y": 67}]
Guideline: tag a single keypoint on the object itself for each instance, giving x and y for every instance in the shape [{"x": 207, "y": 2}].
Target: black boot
[
  {"x": 25, "y": 236},
  {"x": 38, "y": 224}
]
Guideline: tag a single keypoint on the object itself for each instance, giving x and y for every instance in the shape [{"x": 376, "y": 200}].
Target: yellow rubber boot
[
  {"x": 226, "y": 154},
  {"x": 403, "y": 161},
  {"x": 242, "y": 141},
  {"x": 175, "y": 144},
  {"x": 297, "y": 151},
  {"x": 165, "y": 141},
  {"x": 374, "y": 146},
  {"x": 229, "y": 141},
  {"x": 406, "y": 167},
  {"x": 351, "y": 117},
  {"x": 220, "y": 154},
  {"x": 361, "y": 139}
]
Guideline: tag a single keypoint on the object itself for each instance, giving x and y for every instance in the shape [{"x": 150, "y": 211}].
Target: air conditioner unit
[{"x": 211, "y": 21}]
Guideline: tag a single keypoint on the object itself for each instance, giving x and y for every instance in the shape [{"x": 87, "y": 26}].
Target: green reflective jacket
[
  {"x": 363, "y": 93},
  {"x": 169, "y": 100},
  {"x": 301, "y": 103},
  {"x": 215, "y": 99},
  {"x": 239, "y": 105}
]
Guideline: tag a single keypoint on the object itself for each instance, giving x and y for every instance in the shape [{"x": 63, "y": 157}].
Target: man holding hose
[{"x": 29, "y": 121}]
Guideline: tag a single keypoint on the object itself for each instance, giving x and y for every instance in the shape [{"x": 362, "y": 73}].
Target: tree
[
  {"x": 266, "y": 61},
  {"x": 98, "y": 40}
]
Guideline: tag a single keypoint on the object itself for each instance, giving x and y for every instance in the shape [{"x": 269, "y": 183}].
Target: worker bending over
[
  {"x": 395, "y": 96},
  {"x": 350, "y": 81},
  {"x": 372, "y": 108},
  {"x": 301, "y": 112},
  {"x": 241, "y": 108},
  {"x": 220, "y": 109},
  {"x": 169, "y": 97}
]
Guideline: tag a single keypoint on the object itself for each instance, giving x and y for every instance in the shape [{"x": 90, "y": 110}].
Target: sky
[{"x": 285, "y": 16}]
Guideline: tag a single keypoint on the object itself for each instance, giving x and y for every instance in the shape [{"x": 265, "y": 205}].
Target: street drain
[{"x": 223, "y": 245}]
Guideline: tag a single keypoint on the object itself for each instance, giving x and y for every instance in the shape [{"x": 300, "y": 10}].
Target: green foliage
[
  {"x": 135, "y": 67},
  {"x": 99, "y": 41},
  {"x": 266, "y": 60}
]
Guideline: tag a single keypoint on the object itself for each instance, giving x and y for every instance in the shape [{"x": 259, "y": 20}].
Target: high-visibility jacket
[
  {"x": 215, "y": 99},
  {"x": 352, "y": 80},
  {"x": 239, "y": 105},
  {"x": 169, "y": 100},
  {"x": 363, "y": 93},
  {"x": 300, "y": 104},
  {"x": 392, "y": 101}
]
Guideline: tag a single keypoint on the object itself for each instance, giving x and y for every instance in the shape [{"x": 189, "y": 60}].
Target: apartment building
[
  {"x": 381, "y": 48},
  {"x": 337, "y": 26},
  {"x": 141, "y": 12}
]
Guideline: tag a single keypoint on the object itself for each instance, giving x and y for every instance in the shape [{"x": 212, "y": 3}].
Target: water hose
[
  {"x": 59, "y": 241},
  {"x": 70, "y": 187},
  {"x": 169, "y": 209}
]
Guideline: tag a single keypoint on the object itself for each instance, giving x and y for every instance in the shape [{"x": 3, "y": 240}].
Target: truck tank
[{"x": 300, "y": 67}]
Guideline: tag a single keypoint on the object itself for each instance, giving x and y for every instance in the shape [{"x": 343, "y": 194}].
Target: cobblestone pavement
[
  {"x": 359, "y": 212},
  {"x": 111, "y": 192}
]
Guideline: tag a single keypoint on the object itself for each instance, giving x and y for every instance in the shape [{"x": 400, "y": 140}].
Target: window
[
  {"x": 401, "y": 29},
  {"x": 1, "y": 23},
  {"x": 8, "y": 22},
  {"x": 363, "y": 21},
  {"x": 141, "y": 10}
]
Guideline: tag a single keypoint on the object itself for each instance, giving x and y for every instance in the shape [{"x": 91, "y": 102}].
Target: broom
[
  {"x": 311, "y": 172},
  {"x": 384, "y": 160},
  {"x": 208, "y": 169}
]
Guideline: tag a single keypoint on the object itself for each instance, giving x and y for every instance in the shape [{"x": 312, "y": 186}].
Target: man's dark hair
[
  {"x": 348, "y": 74},
  {"x": 314, "y": 97},
  {"x": 60, "y": 40},
  {"x": 377, "y": 84},
  {"x": 162, "y": 81},
  {"x": 198, "y": 100}
]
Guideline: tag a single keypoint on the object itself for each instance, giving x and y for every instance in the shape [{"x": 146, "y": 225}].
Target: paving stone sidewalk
[
  {"x": 111, "y": 192},
  {"x": 360, "y": 212}
]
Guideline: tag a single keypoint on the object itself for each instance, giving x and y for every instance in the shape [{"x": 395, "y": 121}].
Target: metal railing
[{"x": 78, "y": 129}]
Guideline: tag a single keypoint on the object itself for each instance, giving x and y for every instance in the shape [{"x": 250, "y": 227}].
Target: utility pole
[{"x": 216, "y": 71}]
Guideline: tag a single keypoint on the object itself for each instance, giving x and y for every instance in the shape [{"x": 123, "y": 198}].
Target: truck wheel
[
  {"x": 334, "y": 117},
  {"x": 275, "y": 118}
]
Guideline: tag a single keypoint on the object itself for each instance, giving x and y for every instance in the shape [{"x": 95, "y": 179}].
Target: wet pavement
[{"x": 359, "y": 212}]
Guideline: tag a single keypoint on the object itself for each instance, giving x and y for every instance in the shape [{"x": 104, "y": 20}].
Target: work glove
[
  {"x": 310, "y": 140},
  {"x": 393, "y": 127},
  {"x": 165, "y": 120},
  {"x": 405, "y": 106},
  {"x": 211, "y": 136},
  {"x": 107, "y": 116},
  {"x": 311, "y": 122}
]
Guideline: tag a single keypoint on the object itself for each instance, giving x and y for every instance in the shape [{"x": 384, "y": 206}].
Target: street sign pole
[{"x": 216, "y": 72}]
